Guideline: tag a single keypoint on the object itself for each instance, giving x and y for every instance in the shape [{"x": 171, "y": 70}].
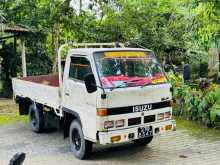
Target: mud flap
[{"x": 23, "y": 105}]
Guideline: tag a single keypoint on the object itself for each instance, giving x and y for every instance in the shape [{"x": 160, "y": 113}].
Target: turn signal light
[
  {"x": 168, "y": 127},
  {"x": 115, "y": 138},
  {"x": 101, "y": 112},
  {"x": 160, "y": 116},
  {"x": 167, "y": 114}
]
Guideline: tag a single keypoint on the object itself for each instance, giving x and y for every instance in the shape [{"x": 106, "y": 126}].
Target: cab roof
[{"x": 90, "y": 51}]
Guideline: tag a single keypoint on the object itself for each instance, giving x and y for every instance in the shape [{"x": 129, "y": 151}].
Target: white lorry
[{"x": 102, "y": 95}]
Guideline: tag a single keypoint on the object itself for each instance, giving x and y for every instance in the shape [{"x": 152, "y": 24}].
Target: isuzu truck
[{"x": 102, "y": 94}]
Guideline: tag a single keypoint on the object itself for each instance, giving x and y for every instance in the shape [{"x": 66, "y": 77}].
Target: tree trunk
[{"x": 55, "y": 43}]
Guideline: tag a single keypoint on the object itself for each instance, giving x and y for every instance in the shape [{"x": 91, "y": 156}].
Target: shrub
[{"x": 195, "y": 103}]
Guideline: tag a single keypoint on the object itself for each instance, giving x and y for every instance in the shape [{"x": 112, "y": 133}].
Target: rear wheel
[
  {"x": 80, "y": 147},
  {"x": 36, "y": 118},
  {"x": 143, "y": 141}
]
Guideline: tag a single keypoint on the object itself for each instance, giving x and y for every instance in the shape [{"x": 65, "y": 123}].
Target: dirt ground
[{"x": 189, "y": 145}]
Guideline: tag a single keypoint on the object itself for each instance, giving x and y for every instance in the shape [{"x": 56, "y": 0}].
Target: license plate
[{"x": 145, "y": 131}]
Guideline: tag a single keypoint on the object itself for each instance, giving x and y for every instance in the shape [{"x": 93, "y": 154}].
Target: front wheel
[
  {"x": 143, "y": 141},
  {"x": 80, "y": 147}
]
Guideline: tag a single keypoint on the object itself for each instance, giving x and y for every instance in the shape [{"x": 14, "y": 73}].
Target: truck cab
[
  {"x": 120, "y": 94},
  {"x": 101, "y": 95}
]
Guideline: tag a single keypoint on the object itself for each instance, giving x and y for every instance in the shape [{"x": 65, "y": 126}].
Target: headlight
[
  {"x": 167, "y": 115},
  {"x": 160, "y": 116},
  {"x": 108, "y": 124},
  {"x": 119, "y": 123}
]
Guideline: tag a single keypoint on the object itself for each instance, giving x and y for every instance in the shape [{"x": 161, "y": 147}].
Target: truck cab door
[{"x": 76, "y": 98}]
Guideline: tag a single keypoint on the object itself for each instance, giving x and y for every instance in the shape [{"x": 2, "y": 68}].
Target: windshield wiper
[
  {"x": 151, "y": 84},
  {"x": 130, "y": 81},
  {"x": 146, "y": 84},
  {"x": 123, "y": 85},
  {"x": 134, "y": 80},
  {"x": 119, "y": 86}
]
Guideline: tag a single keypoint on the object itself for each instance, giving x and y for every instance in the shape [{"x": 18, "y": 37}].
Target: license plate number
[{"x": 145, "y": 131}]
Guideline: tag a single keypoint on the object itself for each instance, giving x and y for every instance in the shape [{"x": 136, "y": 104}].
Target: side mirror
[{"x": 90, "y": 83}]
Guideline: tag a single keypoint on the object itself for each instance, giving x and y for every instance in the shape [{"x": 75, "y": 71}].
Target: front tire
[
  {"x": 80, "y": 147},
  {"x": 36, "y": 118},
  {"x": 143, "y": 141}
]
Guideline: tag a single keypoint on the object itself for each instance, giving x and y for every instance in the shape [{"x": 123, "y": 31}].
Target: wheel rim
[
  {"x": 33, "y": 118},
  {"x": 76, "y": 139}
]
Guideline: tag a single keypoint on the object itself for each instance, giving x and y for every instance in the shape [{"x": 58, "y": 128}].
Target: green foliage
[
  {"x": 9, "y": 68},
  {"x": 157, "y": 25},
  {"x": 194, "y": 103},
  {"x": 169, "y": 27},
  {"x": 208, "y": 15},
  {"x": 175, "y": 79},
  {"x": 198, "y": 61},
  {"x": 38, "y": 60},
  {"x": 215, "y": 115}
]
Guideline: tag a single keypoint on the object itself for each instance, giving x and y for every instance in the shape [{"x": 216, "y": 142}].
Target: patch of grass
[
  {"x": 8, "y": 119},
  {"x": 197, "y": 129},
  {"x": 9, "y": 112},
  {"x": 8, "y": 106}
]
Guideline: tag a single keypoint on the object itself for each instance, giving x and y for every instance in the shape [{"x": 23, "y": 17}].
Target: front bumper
[{"x": 125, "y": 134}]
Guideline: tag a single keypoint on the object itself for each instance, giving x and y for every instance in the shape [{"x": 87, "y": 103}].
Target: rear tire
[
  {"x": 143, "y": 141},
  {"x": 80, "y": 147},
  {"x": 36, "y": 118}
]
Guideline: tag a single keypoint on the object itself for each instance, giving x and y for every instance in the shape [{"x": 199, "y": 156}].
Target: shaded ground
[{"x": 190, "y": 144}]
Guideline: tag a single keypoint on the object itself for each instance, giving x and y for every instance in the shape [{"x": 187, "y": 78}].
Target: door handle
[{"x": 67, "y": 94}]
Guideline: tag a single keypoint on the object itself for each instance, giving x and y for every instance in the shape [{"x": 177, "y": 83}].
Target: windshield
[{"x": 128, "y": 69}]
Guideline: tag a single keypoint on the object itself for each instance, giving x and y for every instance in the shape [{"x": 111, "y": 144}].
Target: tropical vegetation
[
  {"x": 169, "y": 27},
  {"x": 197, "y": 102}
]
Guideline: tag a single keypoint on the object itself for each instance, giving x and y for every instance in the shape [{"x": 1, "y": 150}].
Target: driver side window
[{"x": 79, "y": 68}]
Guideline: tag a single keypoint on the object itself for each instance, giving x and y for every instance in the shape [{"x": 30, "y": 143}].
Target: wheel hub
[
  {"x": 76, "y": 139},
  {"x": 33, "y": 118}
]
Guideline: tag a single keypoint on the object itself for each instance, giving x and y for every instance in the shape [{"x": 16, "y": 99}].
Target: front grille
[
  {"x": 134, "y": 121},
  {"x": 148, "y": 119},
  {"x": 130, "y": 109}
]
